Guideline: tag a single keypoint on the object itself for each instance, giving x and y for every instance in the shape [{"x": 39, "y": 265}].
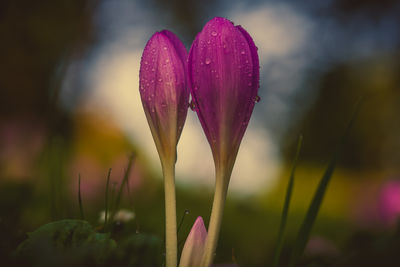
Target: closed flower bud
[
  {"x": 194, "y": 246},
  {"x": 163, "y": 89},
  {"x": 223, "y": 72},
  {"x": 165, "y": 96}
]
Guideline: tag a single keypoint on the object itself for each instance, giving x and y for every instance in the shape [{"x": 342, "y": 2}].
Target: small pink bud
[{"x": 194, "y": 246}]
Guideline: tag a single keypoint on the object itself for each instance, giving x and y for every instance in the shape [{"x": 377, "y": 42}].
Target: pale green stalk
[
  {"x": 214, "y": 226},
  {"x": 171, "y": 243}
]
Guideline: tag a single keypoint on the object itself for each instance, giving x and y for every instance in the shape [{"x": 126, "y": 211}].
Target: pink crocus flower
[
  {"x": 163, "y": 89},
  {"x": 223, "y": 74},
  {"x": 164, "y": 93},
  {"x": 223, "y": 71}
]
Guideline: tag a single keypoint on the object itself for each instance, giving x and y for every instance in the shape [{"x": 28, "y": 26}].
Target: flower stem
[
  {"x": 214, "y": 227},
  {"x": 171, "y": 245}
]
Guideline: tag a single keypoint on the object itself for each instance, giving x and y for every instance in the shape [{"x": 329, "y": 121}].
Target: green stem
[
  {"x": 171, "y": 243},
  {"x": 214, "y": 227}
]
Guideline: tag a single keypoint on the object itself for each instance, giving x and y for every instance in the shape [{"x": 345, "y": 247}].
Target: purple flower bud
[
  {"x": 163, "y": 89},
  {"x": 223, "y": 73}
]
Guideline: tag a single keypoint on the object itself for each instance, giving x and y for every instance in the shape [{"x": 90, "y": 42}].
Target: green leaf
[
  {"x": 67, "y": 242},
  {"x": 313, "y": 209},
  {"x": 286, "y": 205}
]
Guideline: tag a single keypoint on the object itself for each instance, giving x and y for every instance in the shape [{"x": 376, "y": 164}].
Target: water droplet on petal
[
  {"x": 167, "y": 60},
  {"x": 208, "y": 61},
  {"x": 257, "y": 99},
  {"x": 192, "y": 105},
  {"x": 250, "y": 84},
  {"x": 250, "y": 74},
  {"x": 165, "y": 48},
  {"x": 160, "y": 80},
  {"x": 242, "y": 52},
  {"x": 214, "y": 33}
]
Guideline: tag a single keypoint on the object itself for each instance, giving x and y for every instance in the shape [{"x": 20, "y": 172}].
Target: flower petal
[{"x": 194, "y": 246}]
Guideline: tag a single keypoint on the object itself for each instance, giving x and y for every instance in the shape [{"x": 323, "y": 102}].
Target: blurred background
[{"x": 70, "y": 106}]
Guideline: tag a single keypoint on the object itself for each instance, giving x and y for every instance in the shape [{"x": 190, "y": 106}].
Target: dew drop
[
  {"x": 165, "y": 48},
  {"x": 164, "y": 105},
  {"x": 146, "y": 63},
  {"x": 250, "y": 84},
  {"x": 208, "y": 61},
  {"x": 192, "y": 105},
  {"x": 242, "y": 52},
  {"x": 214, "y": 33},
  {"x": 245, "y": 123},
  {"x": 153, "y": 69},
  {"x": 167, "y": 60},
  {"x": 160, "y": 80},
  {"x": 153, "y": 110},
  {"x": 257, "y": 99},
  {"x": 249, "y": 74}
]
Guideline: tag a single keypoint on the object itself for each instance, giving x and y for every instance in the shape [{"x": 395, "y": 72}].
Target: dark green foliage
[
  {"x": 309, "y": 220},
  {"x": 76, "y": 243},
  {"x": 66, "y": 242},
  {"x": 285, "y": 210},
  {"x": 138, "y": 250}
]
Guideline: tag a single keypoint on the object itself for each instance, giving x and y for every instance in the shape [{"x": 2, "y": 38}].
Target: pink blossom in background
[{"x": 389, "y": 202}]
